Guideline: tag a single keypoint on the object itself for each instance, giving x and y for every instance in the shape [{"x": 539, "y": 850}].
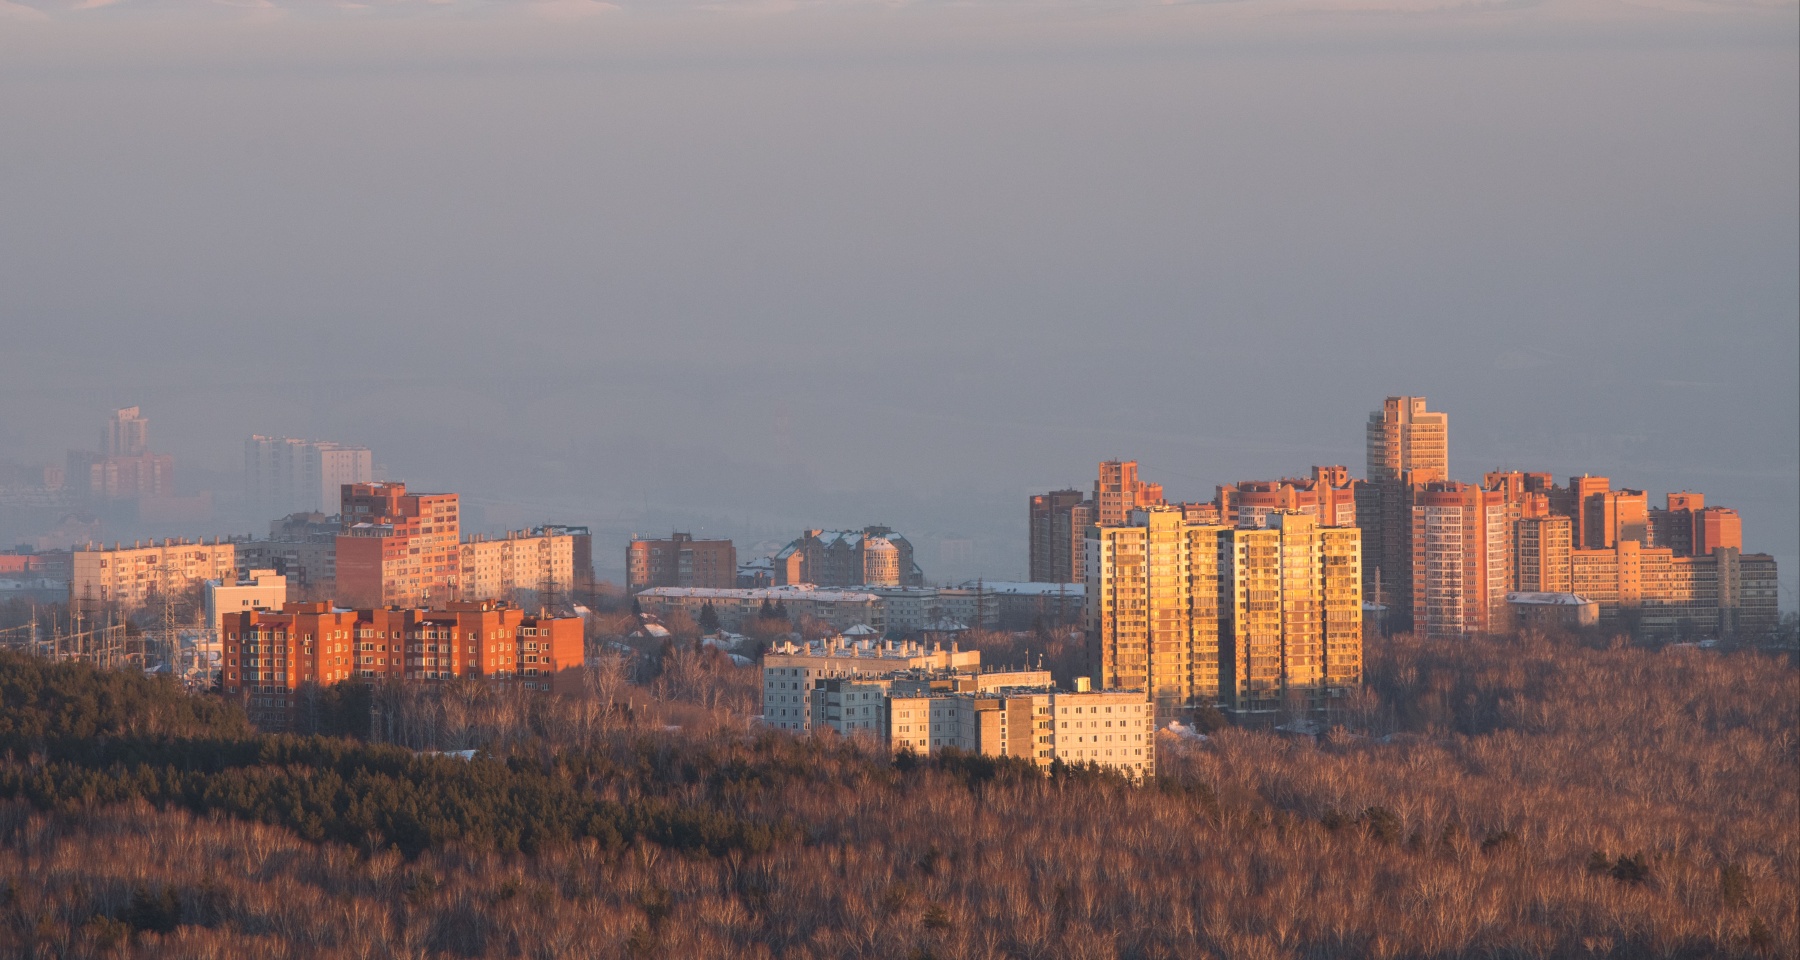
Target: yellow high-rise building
[
  {"x": 1292, "y": 628},
  {"x": 1542, "y": 548},
  {"x": 1200, "y": 613}
]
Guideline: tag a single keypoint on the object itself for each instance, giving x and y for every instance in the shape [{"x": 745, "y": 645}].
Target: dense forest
[{"x": 1526, "y": 796}]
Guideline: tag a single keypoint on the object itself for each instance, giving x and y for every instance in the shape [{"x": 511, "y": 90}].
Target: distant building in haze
[
  {"x": 124, "y": 468},
  {"x": 283, "y": 475},
  {"x": 680, "y": 561},
  {"x": 876, "y": 556},
  {"x": 1053, "y": 537}
]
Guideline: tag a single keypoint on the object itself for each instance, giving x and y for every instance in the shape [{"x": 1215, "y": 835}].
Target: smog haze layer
[{"x": 746, "y": 269}]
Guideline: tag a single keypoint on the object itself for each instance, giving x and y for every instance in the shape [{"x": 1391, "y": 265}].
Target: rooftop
[
  {"x": 792, "y": 591},
  {"x": 1547, "y": 599}
]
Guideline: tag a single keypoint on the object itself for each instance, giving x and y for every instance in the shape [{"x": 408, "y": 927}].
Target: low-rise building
[
  {"x": 1557, "y": 610},
  {"x": 736, "y": 607},
  {"x": 1115, "y": 729},
  {"x": 942, "y": 700},
  {"x": 1015, "y": 605},
  {"x": 790, "y": 670},
  {"x": 259, "y": 589}
]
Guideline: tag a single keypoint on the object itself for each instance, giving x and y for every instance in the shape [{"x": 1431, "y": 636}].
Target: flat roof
[{"x": 1548, "y": 599}]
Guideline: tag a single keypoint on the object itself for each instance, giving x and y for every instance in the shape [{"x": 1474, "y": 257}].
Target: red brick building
[
  {"x": 271, "y": 656},
  {"x": 397, "y": 548},
  {"x": 680, "y": 561}
]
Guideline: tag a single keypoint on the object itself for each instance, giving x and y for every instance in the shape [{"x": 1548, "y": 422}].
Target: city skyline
[{"x": 763, "y": 539}]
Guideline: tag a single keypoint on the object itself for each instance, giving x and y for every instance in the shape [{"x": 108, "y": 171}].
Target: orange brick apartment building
[
  {"x": 269, "y": 656},
  {"x": 397, "y": 548}
]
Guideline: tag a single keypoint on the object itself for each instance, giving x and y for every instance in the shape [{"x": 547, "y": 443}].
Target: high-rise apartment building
[
  {"x": 1407, "y": 447},
  {"x": 1081, "y": 516},
  {"x": 1202, "y": 613},
  {"x": 1692, "y": 529},
  {"x": 126, "y": 434},
  {"x": 124, "y": 468},
  {"x": 129, "y": 576},
  {"x": 397, "y": 548},
  {"x": 1290, "y": 613},
  {"x": 1053, "y": 537},
  {"x": 283, "y": 475},
  {"x": 1462, "y": 560},
  {"x": 1152, "y": 612},
  {"x": 1603, "y": 516},
  {"x": 680, "y": 561},
  {"x": 1118, "y": 491},
  {"x": 1541, "y": 554},
  {"x": 1329, "y": 497},
  {"x": 1405, "y": 437}
]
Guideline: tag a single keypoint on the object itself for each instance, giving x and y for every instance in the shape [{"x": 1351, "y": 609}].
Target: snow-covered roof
[
  {"x": 1547, "y": 599},
  {"x": 792, "y": 591},
  {"x": 1023, "y": 588},
  {"x": 860, "y": 630}
]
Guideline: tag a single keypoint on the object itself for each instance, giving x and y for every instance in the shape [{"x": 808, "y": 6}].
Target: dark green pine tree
[{"x": 709, "y": 618}]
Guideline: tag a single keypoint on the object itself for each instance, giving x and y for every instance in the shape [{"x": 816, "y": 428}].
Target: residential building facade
[
  {"x": 1118, "y": 491},
  {"x": 1404, "y": 437},
  {"x": 129, "y": 576},
  {"x": 680, "y": 561},
  {"x": 1328, "y": 497},
  {"x": 397, "y": 548},
  {"x": 1290, "y": 614},
  {"x": 260, "y": 589},
  {"x": 1253, "y": 619},
  {"x": 1462, "y": 560},
  {"x": 1053, "y": 537},
  {"x": 844, "y": 558},
  {"x": 270, "y": 657},
  {"x": 737, "y": 606},
  {"x": 791, "y": 670},
  {"x": 539, "y": 559}
]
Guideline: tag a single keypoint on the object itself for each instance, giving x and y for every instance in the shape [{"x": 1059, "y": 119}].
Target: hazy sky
[{"x": 750, "y": 267}]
